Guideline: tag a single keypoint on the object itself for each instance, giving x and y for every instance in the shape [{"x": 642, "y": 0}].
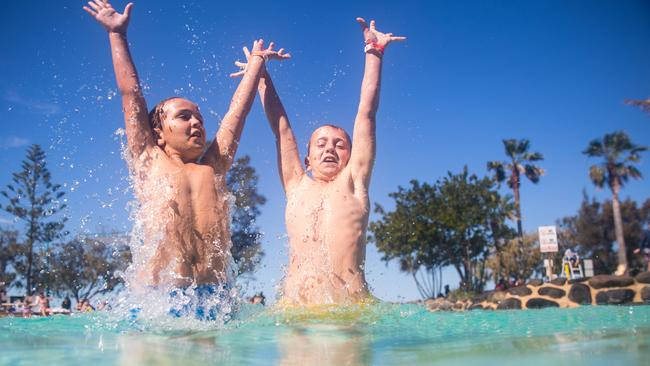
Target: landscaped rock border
[{"x": 597, "y": 290}]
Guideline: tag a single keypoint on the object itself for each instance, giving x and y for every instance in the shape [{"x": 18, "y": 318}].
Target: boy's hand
[
  {"x": 258, "y": 50},
  {"x": 110, "y": 19},
  {"x": 372, "y": 35}
]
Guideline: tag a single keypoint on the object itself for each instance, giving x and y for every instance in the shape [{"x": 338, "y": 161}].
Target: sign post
[{"x": 548, "y": 244}]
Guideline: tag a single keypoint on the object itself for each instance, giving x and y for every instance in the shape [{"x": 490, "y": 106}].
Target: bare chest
[
  {"x": 328, "y": 214},
  {"x": 193, "y": 193}
]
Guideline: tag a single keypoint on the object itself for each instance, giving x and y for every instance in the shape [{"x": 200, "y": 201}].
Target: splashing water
[{"x": 163, "y": 301}]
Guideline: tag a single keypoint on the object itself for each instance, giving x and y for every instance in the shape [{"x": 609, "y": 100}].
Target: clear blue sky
[{"x": 470, "y": 74}]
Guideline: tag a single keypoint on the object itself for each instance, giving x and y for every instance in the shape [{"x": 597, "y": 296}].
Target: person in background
[
  {"x": 44, "y": 304},
  {"x": 27, "y": 307},
  {"x": 86, "y": 307},
  {"x": 66, "y": 303},
  {"x": 644, "y": 247}
]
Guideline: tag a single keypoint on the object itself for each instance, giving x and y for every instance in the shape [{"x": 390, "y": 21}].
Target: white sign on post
[{"x": 547, "y": 239}]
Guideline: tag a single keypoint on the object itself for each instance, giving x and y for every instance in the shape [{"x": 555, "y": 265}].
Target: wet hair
[
  {"x": 157, "y": 115},
  {"x": 333, "y": 126}
]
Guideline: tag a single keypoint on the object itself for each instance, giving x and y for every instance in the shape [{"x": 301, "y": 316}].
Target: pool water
[{"x": 383, "y": 334}]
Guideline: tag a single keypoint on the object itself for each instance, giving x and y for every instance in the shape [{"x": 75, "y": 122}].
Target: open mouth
[
  {"x": 329, "y": 159},
  {"x": 196, "y": 134}
]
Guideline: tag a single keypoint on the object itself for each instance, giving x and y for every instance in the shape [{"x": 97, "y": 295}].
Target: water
[{"x": 385, "y": 334}]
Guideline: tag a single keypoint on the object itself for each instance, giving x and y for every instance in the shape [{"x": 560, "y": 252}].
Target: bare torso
[
  {"x": 185, "y": 223},
  {"x": 326, "y": 224}
]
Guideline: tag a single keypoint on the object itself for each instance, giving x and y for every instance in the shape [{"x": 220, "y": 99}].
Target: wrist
[
  {"x": 121, "y": 34},
  {"x": 261, "y": 55},
  {"x": 374, "y": 48}
]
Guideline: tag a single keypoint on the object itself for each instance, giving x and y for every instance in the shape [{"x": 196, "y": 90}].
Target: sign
[{"x": 547, "y": 239}]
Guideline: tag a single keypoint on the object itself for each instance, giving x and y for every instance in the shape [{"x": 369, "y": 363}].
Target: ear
[
  {"x": 160, "y": 138},
  {"x": 307, "y": 166}
]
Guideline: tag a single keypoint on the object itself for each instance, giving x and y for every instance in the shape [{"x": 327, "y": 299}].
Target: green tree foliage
[
  {"x": 454, "y": 222},
  {"x": 246, "y": 238},
  {"x": 88, "y": 266},
  {"x": 516, "y": 261},
  {"x": 619, "y": 156},
  {"x": 409, "y": 235},
  {"x": 520, "y": 161},
  {"x": 592, "y": 234},
  {"x": 34, "y": 200},
  {"x": 9, "y": 248}
]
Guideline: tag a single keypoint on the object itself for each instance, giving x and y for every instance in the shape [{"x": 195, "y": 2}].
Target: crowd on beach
[{"x": 40, "y": 305}]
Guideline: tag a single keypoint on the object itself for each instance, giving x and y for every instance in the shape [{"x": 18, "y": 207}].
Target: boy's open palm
[{"x": 108, "y": 17}]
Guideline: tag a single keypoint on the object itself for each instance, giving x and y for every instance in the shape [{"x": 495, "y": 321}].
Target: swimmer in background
[
  {"x": 179, "y": 181},
  {"x": 327, "y": 210}
]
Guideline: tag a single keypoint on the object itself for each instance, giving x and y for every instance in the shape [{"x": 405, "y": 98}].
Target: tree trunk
[
  {"x": 618, "y": 227},
  {"x": 515, "y": 190},
  {"x": 30, "y": 259}
]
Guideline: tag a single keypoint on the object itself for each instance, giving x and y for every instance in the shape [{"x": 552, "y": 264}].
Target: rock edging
[{"x": 597, "y": 290}]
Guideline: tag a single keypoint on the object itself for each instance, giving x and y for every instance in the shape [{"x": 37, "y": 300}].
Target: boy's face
[
  {"x": 329, "y": 152},
  {"x": 182, "y": 129}
]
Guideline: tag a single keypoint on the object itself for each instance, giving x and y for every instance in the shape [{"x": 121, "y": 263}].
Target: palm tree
[
  {"x": 619, "y": 155},
  {"x": 520, "y": 162}
]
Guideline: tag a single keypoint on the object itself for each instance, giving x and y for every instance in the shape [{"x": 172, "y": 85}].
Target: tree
[
  {"x": 520, "y": 162},
  {"x": 618, "y": 155},
  {"x": 591, "y": 232},
  {"x": 88, "y": 266},
  {"x": 8, "y": 252},
  {"x": 453, "y": 222},
  {"x": 245, "y": 235},
  {"x": 516, "y": 264},
  {"x": 36, "y": 201},
  {"x": 409, "y": 234}
]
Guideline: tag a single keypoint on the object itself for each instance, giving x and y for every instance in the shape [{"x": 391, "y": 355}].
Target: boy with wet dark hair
[{"x": 179, "y": 182}]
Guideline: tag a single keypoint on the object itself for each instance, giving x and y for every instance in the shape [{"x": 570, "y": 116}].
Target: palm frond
[
  {"x": 594, "y": 149},
  {"x": 597, "y": 175},
  {"x": 499, "y": 170}
]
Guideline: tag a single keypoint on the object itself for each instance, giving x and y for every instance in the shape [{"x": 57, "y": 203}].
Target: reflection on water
[{"x": 325, "y": 345}]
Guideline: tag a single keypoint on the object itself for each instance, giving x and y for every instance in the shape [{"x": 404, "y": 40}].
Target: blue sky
[{"x": 470, "y": 74}]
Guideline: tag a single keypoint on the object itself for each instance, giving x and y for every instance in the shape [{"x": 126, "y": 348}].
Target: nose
[{"x": 195, "y": 122}]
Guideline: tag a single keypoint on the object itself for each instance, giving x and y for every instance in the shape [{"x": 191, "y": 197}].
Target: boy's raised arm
[
  {"x": 289, "y": 163},
  {"x": 138, "y": 132},
  {"x": 222, "y": 151},
  {"x": 363, "y": 138},
  {"x": 287, "y": 149}
]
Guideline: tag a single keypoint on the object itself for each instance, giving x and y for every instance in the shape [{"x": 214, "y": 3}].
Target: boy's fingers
[
  {"x": 127, "y": 10},
  {"x": 271, "y": 46},
  {"x": 372, "y": 25},
  {"x": 89, "y": 11},
  {"x": 397, "y": 38},
  {"x": 94, "y": 6},
  {"x": 362, "y": 22},
  {"x": 247, "y": 52}
]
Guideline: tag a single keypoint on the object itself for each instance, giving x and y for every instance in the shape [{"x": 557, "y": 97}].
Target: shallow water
[{"x": 384, "y": 334}]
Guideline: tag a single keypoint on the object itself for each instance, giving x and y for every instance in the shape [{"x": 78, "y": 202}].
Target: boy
[
  {"x": 327, "y": 212},
  {"x": 180, "y": 184}
]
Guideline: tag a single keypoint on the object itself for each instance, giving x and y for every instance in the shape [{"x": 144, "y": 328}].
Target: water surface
[{"x": 385, "y": 334}]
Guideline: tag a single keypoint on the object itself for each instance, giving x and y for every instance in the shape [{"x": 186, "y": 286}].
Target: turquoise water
[{"x": 385, "y": 334}]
